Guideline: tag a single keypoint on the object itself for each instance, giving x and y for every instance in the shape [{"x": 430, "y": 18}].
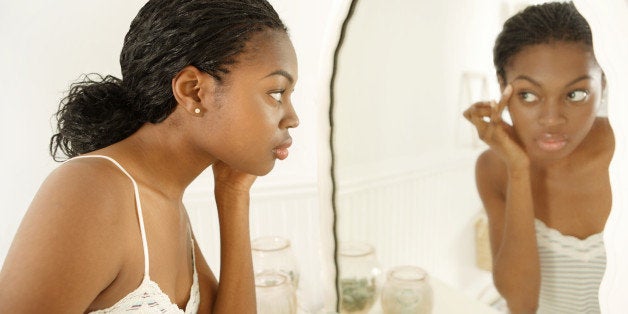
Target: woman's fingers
[
  {"x": 482, "y": 109},
  {"x": 496, "y": 116},
  {"x": 486, "y": 117},
  {"x": 227, "y": 177},
  {"x": 479, "y": 115}
]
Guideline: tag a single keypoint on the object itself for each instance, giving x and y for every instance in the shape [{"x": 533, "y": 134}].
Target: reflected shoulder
[
  {"x": 489, "y": 162},
  {"x": 604, "y": 137},
  {"x": 490, "y": 173}
]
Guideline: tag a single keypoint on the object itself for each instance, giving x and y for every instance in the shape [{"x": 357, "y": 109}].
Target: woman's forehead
[
  {"x": 267, "y": 51},
  {"x": 553, "y": 60}
]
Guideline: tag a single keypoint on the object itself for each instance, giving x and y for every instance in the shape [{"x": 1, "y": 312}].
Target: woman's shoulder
[
  {"x": 90, "y": 194},
  {"x": 87, "y": 200},
  {"x": 604, "y": 131},
  {"x": 490, "y": 172},
  {"x": 95, "y": 181},
  {"x": 72, "y": 239},
  {"x": 489, "y": 162},
  {"x": 602, "y": 140}
]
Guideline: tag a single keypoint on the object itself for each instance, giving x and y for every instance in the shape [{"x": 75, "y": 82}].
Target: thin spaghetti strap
[{"x": 138, "y": 206}]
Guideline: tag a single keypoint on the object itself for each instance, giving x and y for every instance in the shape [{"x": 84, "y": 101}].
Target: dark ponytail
[
  {"x": 95, "y": 113},
  {"x": 164, "y": 37}
]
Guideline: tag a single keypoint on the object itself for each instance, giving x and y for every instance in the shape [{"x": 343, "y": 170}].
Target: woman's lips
[
  {"x": 281, "y": 151},
  {"x": 550, "y": 142}
]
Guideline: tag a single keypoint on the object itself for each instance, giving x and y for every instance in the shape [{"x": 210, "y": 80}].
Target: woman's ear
[{"x": 187, "y": 88}]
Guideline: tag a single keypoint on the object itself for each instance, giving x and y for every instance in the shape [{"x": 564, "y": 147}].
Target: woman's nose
[
  {"x": 291, "y": 119},
  {"x": 551, "y": 113}
]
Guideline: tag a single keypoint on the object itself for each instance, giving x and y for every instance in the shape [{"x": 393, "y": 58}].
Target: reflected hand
[{"x": 486, "y": 116}]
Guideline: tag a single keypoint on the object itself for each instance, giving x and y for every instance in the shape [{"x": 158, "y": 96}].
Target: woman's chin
[
  {"x": 544, "y": 155},
  {"x": 260, "y": 170}
]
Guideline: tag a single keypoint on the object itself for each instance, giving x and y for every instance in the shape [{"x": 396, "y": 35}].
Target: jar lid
[
  {"x": 355, "y": 249},
  {"x": 407, "y": 273},
  {"x": 270, "y": 243}
]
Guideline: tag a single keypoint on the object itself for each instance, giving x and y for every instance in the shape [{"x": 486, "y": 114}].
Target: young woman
[
  {"x": 544, "y": 180},
  {"x": 204, "y": 83}
]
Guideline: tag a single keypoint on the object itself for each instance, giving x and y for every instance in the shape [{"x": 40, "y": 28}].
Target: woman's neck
[{"x": 160, "y": 157}]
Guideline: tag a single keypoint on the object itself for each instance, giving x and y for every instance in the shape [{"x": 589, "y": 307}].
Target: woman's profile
[
  {"x": 544, "y": 180},
  {"x": 205, "y": 83}
]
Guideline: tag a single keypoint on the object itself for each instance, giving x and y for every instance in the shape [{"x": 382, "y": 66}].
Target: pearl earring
[{"x": 197, "y": 110}]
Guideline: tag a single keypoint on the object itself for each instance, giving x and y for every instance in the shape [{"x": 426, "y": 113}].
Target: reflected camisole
[
  {"x": 571, "y": 271},
  {"x": 148, "y": 297}
]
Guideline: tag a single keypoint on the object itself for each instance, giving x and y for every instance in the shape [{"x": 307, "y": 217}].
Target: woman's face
[
  {"x": 251, "y": 110},
  {"x": 557, "y": 89}
]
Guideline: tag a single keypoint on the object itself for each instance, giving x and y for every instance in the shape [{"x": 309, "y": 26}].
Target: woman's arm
[
  {"x": 509, "y": 207},
  {"x": 66, "y": 250},
  {"x": 503, "y": 181},
  {"x": 236, "y": 289}
]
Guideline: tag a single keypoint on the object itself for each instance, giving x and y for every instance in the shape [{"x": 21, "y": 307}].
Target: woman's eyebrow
[
  {"x": 584, "y": 77},
  {"x": 526, "y": 78},
  {"x": 282, "y": 73},
  {"x": 531, "y": 80}
]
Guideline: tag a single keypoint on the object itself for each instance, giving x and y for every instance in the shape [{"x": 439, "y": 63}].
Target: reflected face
[
  {"x": 557, "y": 89},
  {"x": 252, "y": 106}
]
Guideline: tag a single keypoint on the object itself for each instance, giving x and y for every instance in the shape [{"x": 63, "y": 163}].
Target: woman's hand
[
  {"x": 229, "y": 180},
  {"x": 487, "y": 118}
]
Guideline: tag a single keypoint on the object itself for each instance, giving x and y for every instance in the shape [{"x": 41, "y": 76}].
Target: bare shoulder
[
  {"x": 90, "y": 191},
  {"x": 490, "y": 174},
  {"x": 70, "y": 244},
  {"x": 604, "y": 135}
]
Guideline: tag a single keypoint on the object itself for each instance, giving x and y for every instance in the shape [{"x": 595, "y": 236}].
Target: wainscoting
[{"x": 422, "y": 214}]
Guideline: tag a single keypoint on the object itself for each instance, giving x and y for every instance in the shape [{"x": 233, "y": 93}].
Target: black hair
[
  {"x": 164, "y": 37},
  {"x": 538, "y": 24}
]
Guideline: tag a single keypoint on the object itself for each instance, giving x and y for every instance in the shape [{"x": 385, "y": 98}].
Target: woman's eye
[
  {"x": 578, "y": 95},
  {"x": 528, "y": 97},
  {"x": 276, "y": 96}
]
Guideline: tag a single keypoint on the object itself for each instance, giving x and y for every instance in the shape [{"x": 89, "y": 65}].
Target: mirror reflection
[{"x": 407, "y": 161}]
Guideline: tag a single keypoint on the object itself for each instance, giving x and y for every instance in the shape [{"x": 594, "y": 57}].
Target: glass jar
[
  {"x": 275, "y": 253},
  {"x": 275, "y": 294},
  {"x": 360, "y": 277},
  {"x": 407, "y": 291}
]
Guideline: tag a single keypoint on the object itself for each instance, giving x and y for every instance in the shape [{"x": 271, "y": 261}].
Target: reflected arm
[{"x": 507, "y": 196}]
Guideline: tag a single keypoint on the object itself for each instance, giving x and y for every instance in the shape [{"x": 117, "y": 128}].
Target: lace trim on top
[
  {"x": 149, "y": 298},
  {"x": 580, "y": 249}
]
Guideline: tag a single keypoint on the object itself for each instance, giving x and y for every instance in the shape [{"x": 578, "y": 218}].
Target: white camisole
[
  {"x": 148, "y": 297},
  {"x": 571, "y": 271}
]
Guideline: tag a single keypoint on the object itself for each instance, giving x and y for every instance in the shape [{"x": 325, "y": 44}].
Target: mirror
[{"x": 404, "y": 155}]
